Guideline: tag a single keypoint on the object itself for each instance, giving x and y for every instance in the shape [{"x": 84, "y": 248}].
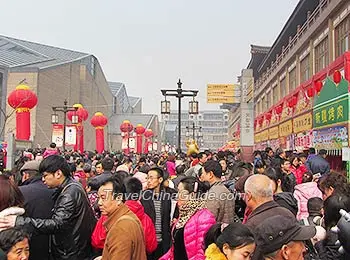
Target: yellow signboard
[
  {"x": 273, "y": 133},
  {"x": 286, "y": 128},
  {"x": 264, "y": 135},
  {"x": 302, "y": 123},
  {"x": 220, "y": 100},
  {"x": 223, "y": 93},
  {"x": 257, "y": 138}
]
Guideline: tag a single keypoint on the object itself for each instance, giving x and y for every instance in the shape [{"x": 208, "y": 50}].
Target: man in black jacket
[
  {"x": 318, "y": 163},
  {"x": 72, "y": 220},
  {"x": 38, "y": 203}
]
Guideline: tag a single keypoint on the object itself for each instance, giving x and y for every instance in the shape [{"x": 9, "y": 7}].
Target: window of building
[
  {"x": 93, "y": 66},
  {"x": 292, "y": 79},
  {"x": 305, "y": 69},
  {"x": 341, "y": 33},
  {"x": 114, "y": 105},
  {"x": 321, "y": 55},
  {"x": 268, "y": 100},
  {"x": 264, "y": 104},
  {"x": 275, "y": 94},
  {"x": 283, "y": 87}
]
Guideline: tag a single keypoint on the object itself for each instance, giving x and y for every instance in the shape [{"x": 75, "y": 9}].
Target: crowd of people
[{"x": 210, "y": 205}]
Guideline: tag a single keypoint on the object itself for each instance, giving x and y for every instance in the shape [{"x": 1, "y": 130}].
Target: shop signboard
[
  {"x": 273, "y": 133},
  {"x": 275, "y": 143},
  {"x": 331, "y": 106},
  {"x": 275, "y": 118},
  {"x": 261, "y": 146},
  {"x": 257, "y": 138},
  {"x": 223, "y": 93},
  {"x": 333, "y": 138},
  {"x": 302, "y": 123},
  {"x": 264, "y": 135},
  {"x": 331, "y": 113},
  {"x": 286, "y": 128},
  {"x": 287, "y": 111},
  {"x": 303, "y": 141},
  {"x": 304, "y": 103}
]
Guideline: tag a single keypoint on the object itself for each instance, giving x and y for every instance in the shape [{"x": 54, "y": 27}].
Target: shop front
[{"x": 331, "y": 120}]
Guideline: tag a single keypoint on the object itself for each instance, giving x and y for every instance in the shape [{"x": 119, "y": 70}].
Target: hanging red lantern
[
  {"x": 126, "y": 126},
  {"x": 255, "y": 123},
  {"x": 293, "y": 102},
  {"x": 268, "y": 116},
  {"x": 81, "y": 112},
  {"x": 318, "y": 86},
  {"x": 337, "y": 76},
  {"x": 310, "y": 92},
  {"x": 279, "y": 109}
]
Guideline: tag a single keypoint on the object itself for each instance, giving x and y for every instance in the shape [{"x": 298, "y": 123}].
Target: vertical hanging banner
[{"x": 57, "y": 135}]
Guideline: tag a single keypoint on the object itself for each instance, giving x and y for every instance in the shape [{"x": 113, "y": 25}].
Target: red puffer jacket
[
  {"x": 148, "y": 227},
  {"x": 99, "y": 235}
]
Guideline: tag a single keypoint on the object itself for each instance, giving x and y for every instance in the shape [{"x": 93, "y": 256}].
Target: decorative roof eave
[{"x": 259, "y": 49}]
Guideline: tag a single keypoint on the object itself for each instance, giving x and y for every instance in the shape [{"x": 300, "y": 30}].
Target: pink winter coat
[
  {"x": 303, "y": 192},
  {"x": 194, "y": 233}
]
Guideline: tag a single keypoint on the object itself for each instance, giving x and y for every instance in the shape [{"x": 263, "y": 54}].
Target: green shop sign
[
  {"x": 332, "y": 112},
  {"x": 331, "y": 106}
]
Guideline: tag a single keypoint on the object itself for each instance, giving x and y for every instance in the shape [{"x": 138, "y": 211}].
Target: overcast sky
[{"x": 150, "y": 44}]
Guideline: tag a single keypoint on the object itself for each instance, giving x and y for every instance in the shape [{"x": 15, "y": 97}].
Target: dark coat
[
  {"x": 276, "y": 162},
  {"x": 327, "y": 250},
  {"x": 71, "y": 224},
  {"x": 261, "y": 213},
  {"x": 265, "y": 211},
  {"x": 318, "y": 164},
  {"x": 148, "y": 204},
  {"x": 38, "y": 203},
  {"x": 287, "y": 200}
]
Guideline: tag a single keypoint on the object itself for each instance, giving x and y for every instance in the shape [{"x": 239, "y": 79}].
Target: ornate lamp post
[
  {"x": 179, "y": 93},
  {"x": 22, "y": 99},
  {"x": 83, "y": 115},
  {"x": 139, "y": 130},
  {"x": 126, "y": 127},
  {"x": 99, "y": 121},
  {"x": 148, "y": 134}
]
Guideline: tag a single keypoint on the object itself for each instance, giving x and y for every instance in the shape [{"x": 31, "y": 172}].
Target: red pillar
[
  {"x": 100, "y": 139},
  {"x": 22, "y": 123},
  {"x": 139, "y": 143}
]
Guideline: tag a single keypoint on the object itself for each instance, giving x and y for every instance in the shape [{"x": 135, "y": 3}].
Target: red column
[
  {"x": 347, "y": 66},
  {"x": 22, "y": 123},
  {"x": 100, "y": 139},
  {"x": 139, "y": 143},
  {"x": 145, "y": 151}
]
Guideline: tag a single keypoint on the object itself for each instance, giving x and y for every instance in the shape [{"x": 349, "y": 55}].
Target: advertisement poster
[
  {"x": 303, "y": 141},
  {"x": 57, "y": 135},
  {"x": 334, "y": 138}
]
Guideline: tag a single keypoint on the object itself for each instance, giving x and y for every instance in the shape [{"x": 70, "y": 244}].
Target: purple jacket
[
  {"x": 194, "y": 232},
  {"x": 303, "y": 192}
]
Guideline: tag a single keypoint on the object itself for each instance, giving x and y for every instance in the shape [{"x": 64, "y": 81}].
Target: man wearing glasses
[{"x": 72, "y": 220}]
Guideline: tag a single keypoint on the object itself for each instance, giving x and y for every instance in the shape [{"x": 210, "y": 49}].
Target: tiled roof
[{"x": 20, "y": 53}]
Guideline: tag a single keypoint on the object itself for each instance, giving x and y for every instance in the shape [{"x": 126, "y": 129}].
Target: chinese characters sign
[
  {"x": 332, "y": 113},
  {"x": 303, "y": 140},
  {"x": 302, "y": 123},
  {"x": 286, "y": 128},
  {"x": 273, "y": 133}
]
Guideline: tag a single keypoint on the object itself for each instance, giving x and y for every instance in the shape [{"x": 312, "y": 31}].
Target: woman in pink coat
[
  {"x": 303, "y": 192},
  {"x": 193, "y": 223}
]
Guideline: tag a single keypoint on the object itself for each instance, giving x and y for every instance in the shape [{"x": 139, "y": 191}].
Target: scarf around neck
[{"x": 187, "y": 210}]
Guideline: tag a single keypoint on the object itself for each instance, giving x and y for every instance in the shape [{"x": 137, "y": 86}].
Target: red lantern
[
  {"x": 318, "y": 86},
  {"x": 293, "y": 102},
  {"x": 22, "y": 99},
  {"x": 99, "y": 121},
  {"x": 279, "y": 109},
  {"x": 139, "y": 129},
  {"x": 126, "y": 127},
  {"x": 148, "y": 134},
  {"x": 83, "y": 115},
  {"x": 310, "y": 92},
  {"x": 268, "y": 116},
  {"x": 337, "y": 76}
]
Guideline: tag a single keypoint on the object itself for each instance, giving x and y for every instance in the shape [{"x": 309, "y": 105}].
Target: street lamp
[
  {"x": 196, "y": 131},
  {"x": 179, "y": 93},
  {"x": 65, "y": 109}
]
